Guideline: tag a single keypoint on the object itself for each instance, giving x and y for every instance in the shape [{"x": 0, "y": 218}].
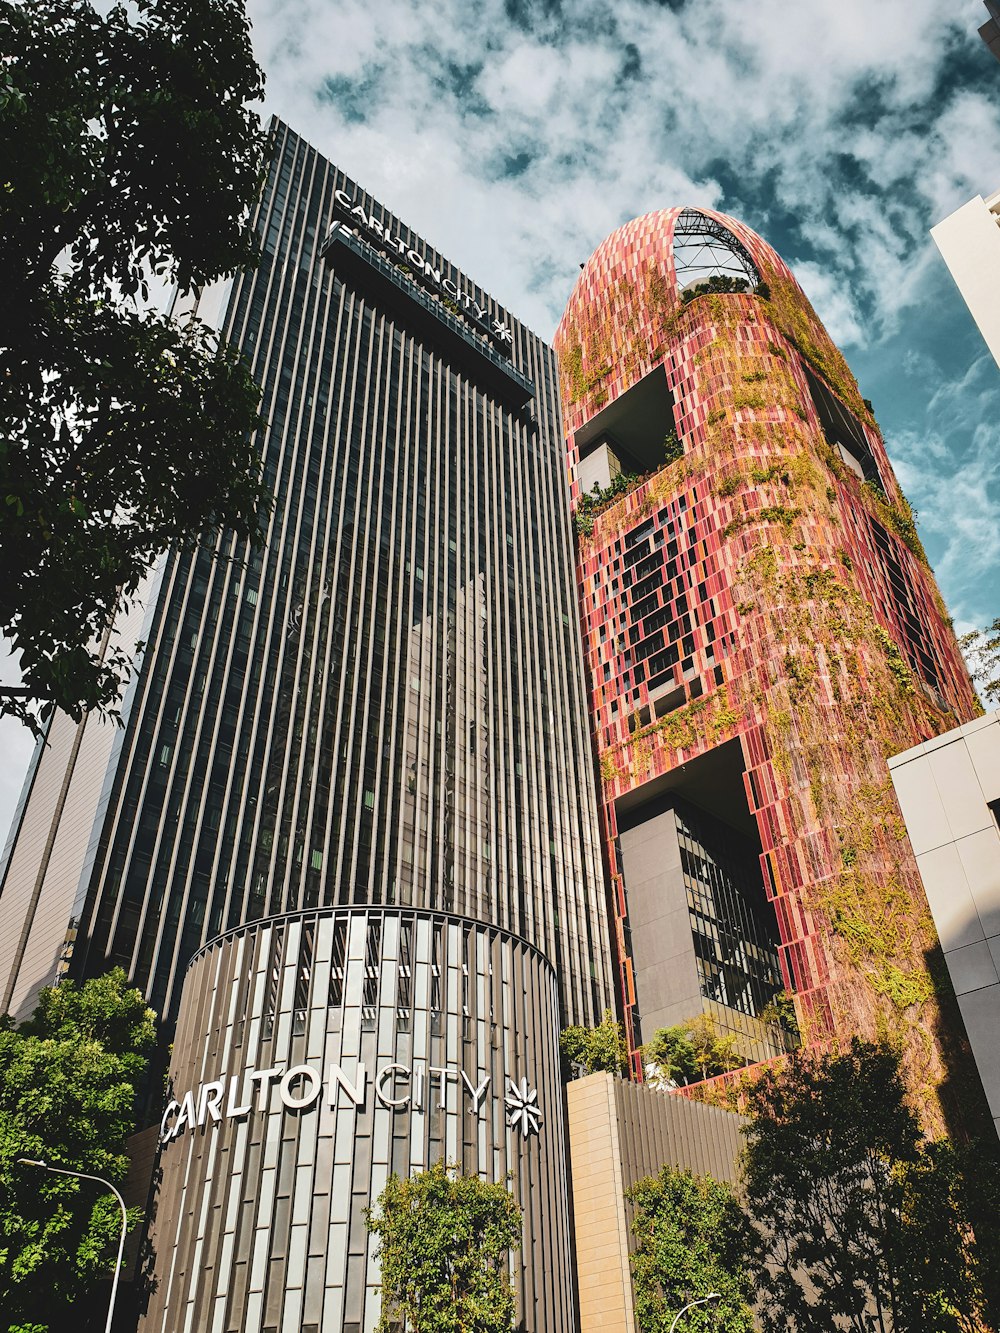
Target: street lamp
[
  {"x": 82, "y": 1175},
  {"x": 712, "y": 1296}
]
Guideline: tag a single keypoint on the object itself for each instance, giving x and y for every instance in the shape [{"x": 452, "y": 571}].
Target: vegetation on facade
[
  {"x": 700, "y": 721},
  {"x": 834, "y": 692},
  {"x": 592, "y": 1050},
  {"x": 843, "y": 682},
  {"x": 444, "y": 1247},
  {"x": 692, "y": 1239},
  {"x": 68, "y": 1080},
  {"x": 722, "y": 283},
  {"x": 132, "y": 151},
  {"x": 595, "y": 502},
  {"x": 592, "y": 504}
]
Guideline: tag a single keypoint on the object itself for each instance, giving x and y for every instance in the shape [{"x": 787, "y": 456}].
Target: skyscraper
[
  {"x": 346, "y": 838},
  {"x": 761, "y": 632},
  {"x": 382, "y": 705}
]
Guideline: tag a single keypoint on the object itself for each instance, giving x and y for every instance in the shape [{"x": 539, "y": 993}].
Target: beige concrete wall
[
  {"x": 620, "y": 1132},
  {"x": 600, "y": 1229}
]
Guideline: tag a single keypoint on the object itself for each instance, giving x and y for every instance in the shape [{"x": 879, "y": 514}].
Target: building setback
[
  {"x": 382, "y": 705},
  {"x": 761, "y": 631}
]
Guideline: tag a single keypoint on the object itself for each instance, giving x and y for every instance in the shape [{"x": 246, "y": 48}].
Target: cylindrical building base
[{"x": 315, "y": 1055}]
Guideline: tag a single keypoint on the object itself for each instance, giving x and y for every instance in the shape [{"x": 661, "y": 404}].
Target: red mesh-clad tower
[{"x": 761, "y": 631}]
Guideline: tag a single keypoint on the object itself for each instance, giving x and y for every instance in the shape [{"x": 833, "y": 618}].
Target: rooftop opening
[{"x": 704, "y": 249}]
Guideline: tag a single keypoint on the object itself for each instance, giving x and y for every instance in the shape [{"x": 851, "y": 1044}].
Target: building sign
[
  {"x": 428, "y": 273},
  {"x": 300, "y": 1087}
]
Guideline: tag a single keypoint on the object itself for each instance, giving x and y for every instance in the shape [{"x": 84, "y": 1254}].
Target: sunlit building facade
[{"x": 761, "y": 631}]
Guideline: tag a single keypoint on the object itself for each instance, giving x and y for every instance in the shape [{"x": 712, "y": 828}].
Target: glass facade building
[{"x": 384, "y": 704}]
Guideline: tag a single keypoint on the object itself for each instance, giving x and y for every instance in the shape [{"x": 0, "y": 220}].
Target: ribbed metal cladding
[
  {"x": 386, "y": 703},
  {"x": 258, "y": 1220}
]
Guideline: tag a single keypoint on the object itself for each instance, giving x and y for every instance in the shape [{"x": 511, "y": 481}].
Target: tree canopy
[
  {"x": 982, "y": 652},
  {"x": 692, "y": 1238},
  {"x": 68, "y": 1079},
  {"x": 601, "y": 1048},
  {"x": 864, "y": 1224},
  {"x": 444, "y": 1242},
  {"x": 692, "y": 1050},
  {"x": 130, "y": 153}
]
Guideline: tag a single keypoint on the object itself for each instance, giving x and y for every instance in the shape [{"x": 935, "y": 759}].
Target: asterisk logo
[
  {"x": 522, "y": 1108},
  {"x": 502, "y": 332}
]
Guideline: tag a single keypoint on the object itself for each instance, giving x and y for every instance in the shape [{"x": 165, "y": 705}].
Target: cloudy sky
[{"x": 516, "y": 135}]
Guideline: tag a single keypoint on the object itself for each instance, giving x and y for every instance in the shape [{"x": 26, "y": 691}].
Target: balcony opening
[
  {"x": 843, "y": 431},
  {"x": 704, "y": 938}
]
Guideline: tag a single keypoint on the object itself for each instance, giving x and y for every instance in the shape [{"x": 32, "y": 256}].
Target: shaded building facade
[
  {"x": 384, "y": 704},
  {"x": 761, "y": 631}
]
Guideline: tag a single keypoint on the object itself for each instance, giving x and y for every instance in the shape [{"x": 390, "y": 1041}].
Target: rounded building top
[{"x": 639, "y": 290}]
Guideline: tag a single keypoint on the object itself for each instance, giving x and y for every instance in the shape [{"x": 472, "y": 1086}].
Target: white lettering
[
  {"x": 186, "y": 1116},
  {"x": 301, "y": 1086},
  {"x": 445, "y": 1075},
  {"x": 415, "y": 259},
  {"x": 387, "y": 1074},
  {"x": 233, "y": 1110},
  {"x": 167, "y": 1134},
  {"x": 308, "y": 1095},
  {"x": 477, "y": 1094},
  {"x": 263, "y": 1077},
  {"x": 358, "y": 212},
  {"x": 210, "y": 1101},
  {"x": 343, "y": 198},
  {"x": 338, "y": 1079},
  {"x": 480, "y": 311},
  {"x": 449, "y": 287}
]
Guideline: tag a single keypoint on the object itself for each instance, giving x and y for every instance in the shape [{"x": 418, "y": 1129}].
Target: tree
[
  {"x": 444, "y": 1246},
  {"x": 670, "y": 1055},
  {"x": 860, "y": 1218},
  {"x": 692, "y": 1238},
  {"x": 693, "y": 1050},
  {"x": 602, "y": 1048},
  {"x": 68, "y": 1079},
  {"x": 129, "y": 153},
  {"x": 982, "y": 653}
]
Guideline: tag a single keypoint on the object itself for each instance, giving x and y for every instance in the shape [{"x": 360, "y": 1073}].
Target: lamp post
[
  {"x": 82, "y": 1175},
  {"x": 712, "y": 1296}
]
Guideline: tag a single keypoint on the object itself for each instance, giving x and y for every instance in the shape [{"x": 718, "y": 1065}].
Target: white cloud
[{"x": 617, "y": 111}]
